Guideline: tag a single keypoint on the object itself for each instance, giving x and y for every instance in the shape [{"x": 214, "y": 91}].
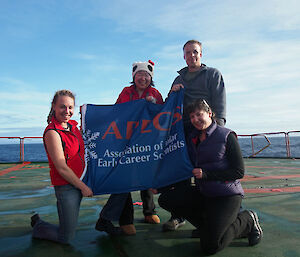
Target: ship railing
[
  {"x": 268, "y": 137},
  {"x": 22, "y": 144},
  {"x": 257, "y": 149}
]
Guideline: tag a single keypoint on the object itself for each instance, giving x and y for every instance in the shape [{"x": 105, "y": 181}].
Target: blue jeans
[{"x": 68, "y": 203}]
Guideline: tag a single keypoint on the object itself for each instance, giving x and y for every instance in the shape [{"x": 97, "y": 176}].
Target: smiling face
[
  {"x": 201, "y": 119},
  {"x": 63, "y": 109},
  {"x": 142, "y": 80},
  {"x": 192, "y": 55}
]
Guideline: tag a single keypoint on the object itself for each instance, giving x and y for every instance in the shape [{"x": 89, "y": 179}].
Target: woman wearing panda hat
[{"x": 142, "y": 87}]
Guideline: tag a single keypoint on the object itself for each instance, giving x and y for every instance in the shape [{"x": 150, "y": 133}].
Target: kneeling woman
[
  {"x": 213, "y": 204},
  {"x": 65, "y": 151}
]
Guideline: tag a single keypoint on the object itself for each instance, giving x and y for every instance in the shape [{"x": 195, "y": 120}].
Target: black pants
[
  {"x": 148, "y": 203},
  {"x": 127, "y": 214},
  {"x": 182, "y": 185},
  {"x": 217, "y": 218}
]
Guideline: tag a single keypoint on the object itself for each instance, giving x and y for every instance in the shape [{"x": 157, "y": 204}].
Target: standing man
[{"x": 199, "y": 82}]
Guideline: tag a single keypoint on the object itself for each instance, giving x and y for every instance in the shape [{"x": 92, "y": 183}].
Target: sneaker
[
  {"x": 152, "y": 219},
  {"x": 128, "y": 230},
  {"x": 34, "y": 219},
  {"x": 173, "y": 224},
  {"x": 108, "y": 227},
  {"x": 256, "y": 232}
]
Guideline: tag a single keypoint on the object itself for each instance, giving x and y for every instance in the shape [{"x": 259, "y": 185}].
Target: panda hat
[{"x": 144, "y": 66}]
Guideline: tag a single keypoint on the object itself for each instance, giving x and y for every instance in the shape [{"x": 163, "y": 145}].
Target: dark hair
[
  {"x": 199, "y": 104},
  {"x": 193, "y": 41},
  {"x": 63, "y": 92}
]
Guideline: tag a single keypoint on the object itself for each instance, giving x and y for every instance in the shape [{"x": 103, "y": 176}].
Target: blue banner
[{"x": 135, "y": 145}]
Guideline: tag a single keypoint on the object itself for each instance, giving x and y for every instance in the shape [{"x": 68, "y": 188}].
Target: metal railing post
[
  {"x": 287, "y": 145},
  {"x": 22, "y": 149}
]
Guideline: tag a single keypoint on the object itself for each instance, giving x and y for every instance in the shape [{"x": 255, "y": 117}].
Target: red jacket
[
  {"x": 73, "y": 147},
  {"x": 130, "y": 94}
]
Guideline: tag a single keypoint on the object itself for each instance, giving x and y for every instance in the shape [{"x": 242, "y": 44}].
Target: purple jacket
[{"x": 210, "y": 155}]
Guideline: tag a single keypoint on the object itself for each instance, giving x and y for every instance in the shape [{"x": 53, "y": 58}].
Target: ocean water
[
  {"x": 35, "y": 152},
  {"x": 32, "y": 153},
  {"x": 277, "y": 147}
]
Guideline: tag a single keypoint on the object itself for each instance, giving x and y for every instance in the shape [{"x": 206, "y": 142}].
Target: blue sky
[{"x": 88, "y": 46}]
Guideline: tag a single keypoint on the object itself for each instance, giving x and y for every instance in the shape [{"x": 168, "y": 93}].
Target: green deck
[{"x": 272, "y": 186}]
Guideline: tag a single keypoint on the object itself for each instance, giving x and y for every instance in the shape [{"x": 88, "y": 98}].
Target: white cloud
[
  {"x": 12, "y": 83},
  {"x": 287, "y": 15},
  {"x": 24, "y": 97},
  {"x": 265, "y": 110},
  {"x": 203, "y": 19},
  {"x": 267, "y": 64},
  {"x": 21, "y": 104},
  {"x": 169, "y": 52}
]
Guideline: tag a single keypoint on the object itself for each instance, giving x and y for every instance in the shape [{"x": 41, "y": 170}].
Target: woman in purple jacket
[{"x": 213, "y": 204}]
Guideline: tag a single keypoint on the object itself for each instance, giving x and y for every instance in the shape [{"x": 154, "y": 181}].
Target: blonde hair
[{"x": 63, "y": 92}]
